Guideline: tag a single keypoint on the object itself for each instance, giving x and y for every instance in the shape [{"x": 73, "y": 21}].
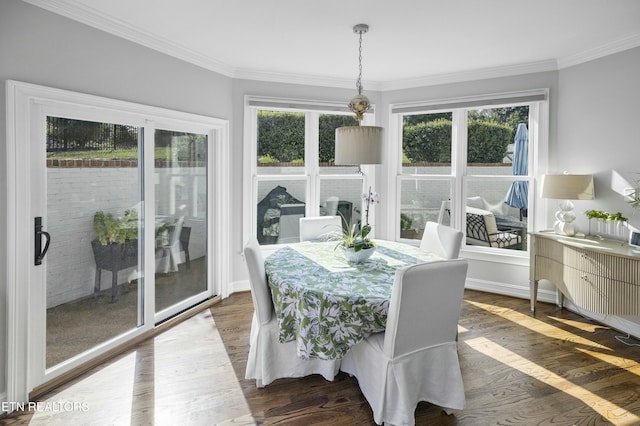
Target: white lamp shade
[
  {"x": 357, "y": 145},
  {"x": 567, "y": 187}
]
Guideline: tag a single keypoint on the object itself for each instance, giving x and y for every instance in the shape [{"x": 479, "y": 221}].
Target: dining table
[{"x": 327, "y": 304}]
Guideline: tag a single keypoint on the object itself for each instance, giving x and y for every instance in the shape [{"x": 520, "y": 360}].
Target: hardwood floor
[{"x": 552, "y": 368}]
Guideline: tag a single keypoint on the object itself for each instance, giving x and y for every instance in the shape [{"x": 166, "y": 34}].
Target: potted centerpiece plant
[
  {"x": 116, "y": 245},
  {"x": 355, "y": 242}
]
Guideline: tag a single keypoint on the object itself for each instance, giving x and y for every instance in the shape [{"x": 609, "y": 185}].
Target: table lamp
[{"x": 566, "y": 187}]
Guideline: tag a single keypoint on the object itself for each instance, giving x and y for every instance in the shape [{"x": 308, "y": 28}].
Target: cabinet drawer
[
  {"x": 601, "y": 294},
  {"x": 613, "y": 267}
]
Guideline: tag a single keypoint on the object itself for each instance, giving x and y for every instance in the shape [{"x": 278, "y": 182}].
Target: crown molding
[
  {"x": 598, "y": 52},
  {"x": 470, "y": 75},
  {"x": 306, "y": 79},
  {"x": 89, "y": 16}
]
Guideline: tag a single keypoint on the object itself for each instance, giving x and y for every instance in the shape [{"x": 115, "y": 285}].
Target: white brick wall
[{"x": 74, "y": 195}]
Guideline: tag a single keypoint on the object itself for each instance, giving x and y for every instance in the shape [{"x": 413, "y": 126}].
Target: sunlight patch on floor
[
  {"x": 605, "y": 408},
  {"x": 107, "y": 396},
  {"x": 537, "y": 326},
  {"x": 626, "y": 364},
  {"x": 155, "y": 386},
  {"x": 580, "y": 325}
]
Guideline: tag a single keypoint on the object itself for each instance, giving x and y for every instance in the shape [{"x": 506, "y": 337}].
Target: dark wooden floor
[{"x": 554, "y": 368}]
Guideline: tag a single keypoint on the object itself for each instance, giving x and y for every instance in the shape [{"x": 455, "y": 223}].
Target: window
[
  {"x": 469, "y": 164},
  {"x": 291, "y": 160}
]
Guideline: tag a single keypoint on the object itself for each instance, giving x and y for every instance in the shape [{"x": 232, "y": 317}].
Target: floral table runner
[{"x": 328, "y": 305}]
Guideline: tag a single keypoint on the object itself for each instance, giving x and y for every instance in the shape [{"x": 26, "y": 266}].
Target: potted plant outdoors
[
  {"x": 116, "y": 246},
  {"x": 355, "y": 242}
]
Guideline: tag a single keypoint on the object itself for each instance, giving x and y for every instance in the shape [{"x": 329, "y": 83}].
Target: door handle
[{"x": 39, "y": 250}]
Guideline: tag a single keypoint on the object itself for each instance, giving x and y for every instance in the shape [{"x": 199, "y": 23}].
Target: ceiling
[{"x": 410, "y": 42}]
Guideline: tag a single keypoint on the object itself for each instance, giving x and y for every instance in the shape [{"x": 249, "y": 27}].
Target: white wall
[
  {"x": 43, "y": 48},
  {"x": 598, "y": 112}
]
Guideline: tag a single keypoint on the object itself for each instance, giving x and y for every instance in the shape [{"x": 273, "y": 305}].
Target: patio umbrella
[{"x": 518, "y": 193}]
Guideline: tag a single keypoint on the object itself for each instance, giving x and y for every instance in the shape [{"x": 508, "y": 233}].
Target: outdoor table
[{"x": 328, "y": 305}]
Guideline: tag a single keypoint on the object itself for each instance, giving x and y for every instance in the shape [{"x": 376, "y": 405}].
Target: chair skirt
[
  {"x": 393, "y": 387},
  {"x": 270, "y": 360}
]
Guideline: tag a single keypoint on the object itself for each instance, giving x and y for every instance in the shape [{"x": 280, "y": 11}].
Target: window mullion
[
  {"x": 459, "y": 166},
  {"x": 311, "y": 150}
]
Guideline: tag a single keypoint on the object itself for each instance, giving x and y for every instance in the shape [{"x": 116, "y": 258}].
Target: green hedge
[
  {"x": 428, "y": 142},
  {"x": 281, "y": 134},
  {"x": 431, "y": 141},
  {"x": 281, "y": 138}
]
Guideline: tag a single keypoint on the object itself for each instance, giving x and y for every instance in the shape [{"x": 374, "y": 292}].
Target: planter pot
[
  {"x": 357, "y": 257},
  {"x": 114, "y": 257}
]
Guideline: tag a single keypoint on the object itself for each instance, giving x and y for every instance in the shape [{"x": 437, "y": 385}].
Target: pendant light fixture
[{"x": 356, "y": 145}]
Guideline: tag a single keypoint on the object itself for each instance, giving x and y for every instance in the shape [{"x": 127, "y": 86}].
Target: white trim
[
  {"x": 538, "y": 100},
  {"x": 601, "y": 51},
  {"x": 304, "y": 79},
  {"x": 311, "y": 172},
  {"x": 26, "y": 103},
  {"x": 494, "y": 99},
  {"x": 471, "y": 75}
]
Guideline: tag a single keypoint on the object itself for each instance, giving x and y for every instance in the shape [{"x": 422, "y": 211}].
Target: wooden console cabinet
[{"x": 602, "y": 276}]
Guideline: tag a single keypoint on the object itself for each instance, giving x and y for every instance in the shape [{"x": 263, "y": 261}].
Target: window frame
[
  {"x": 311, "y": 173},
  {"x": 538, "y": 102}
]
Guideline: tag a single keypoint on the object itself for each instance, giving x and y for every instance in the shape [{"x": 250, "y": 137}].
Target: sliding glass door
[
  {"x": 181, "y": 191},
  {"x": 93, "y": 221},
  {"x": 112, "y": 226}
]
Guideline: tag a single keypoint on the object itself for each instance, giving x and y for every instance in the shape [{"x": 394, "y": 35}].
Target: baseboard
[
  {"x": 507, "y": 289},
  {"x": 239, "y": 286}
]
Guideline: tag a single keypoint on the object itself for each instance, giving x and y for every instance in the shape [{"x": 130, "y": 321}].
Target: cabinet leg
[
  {"x": 533, "y": 294},
  {"x": 559, "y": 298}
]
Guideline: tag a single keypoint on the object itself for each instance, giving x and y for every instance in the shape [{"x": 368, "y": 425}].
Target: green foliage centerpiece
[{"x": 355, "y": 242}]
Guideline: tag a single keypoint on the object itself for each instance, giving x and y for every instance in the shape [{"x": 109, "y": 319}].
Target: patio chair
[
  {"x": 332, "y": 205},
  {"x": 482, "y": 230},
  {"x": 415, "y": 358},
  {"x": 171, "y": 252},
  {"x": 290, "y": 215}
]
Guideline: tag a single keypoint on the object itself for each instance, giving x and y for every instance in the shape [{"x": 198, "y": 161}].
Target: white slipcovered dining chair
[
  {"x": 441, "y": 240},
  {"x": 320, "y": 228},
  {"x": 268, "y": 358},
  {"x": 415, "y": 358}
]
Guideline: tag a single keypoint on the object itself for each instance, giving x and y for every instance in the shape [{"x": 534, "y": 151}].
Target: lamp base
[
  {"x": 565, "y": 228},
  {"x": 564, "y": 224}
]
